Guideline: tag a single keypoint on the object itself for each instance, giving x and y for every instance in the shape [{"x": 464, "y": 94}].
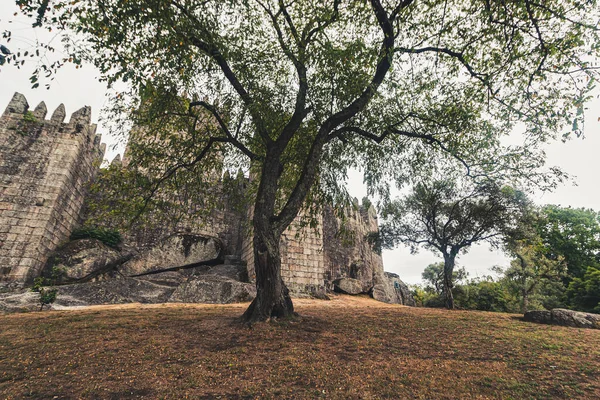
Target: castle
[{"x": 46, "y": 166}]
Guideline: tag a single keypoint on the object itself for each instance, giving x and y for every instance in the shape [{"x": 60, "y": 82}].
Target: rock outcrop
[
  {"x": 175, "y": 251},
  {"x": 213, "y": 289},
  {"x": 348, "y": 286},
  {"x": 564, "y": 317},
  {"x": 83, "y": 260},
  {"x": 197, "y": 285},
  {"x": 389, "y": 288}
]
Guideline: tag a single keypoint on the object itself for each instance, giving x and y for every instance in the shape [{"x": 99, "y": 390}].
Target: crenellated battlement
[{"x": 45, "y": 166}]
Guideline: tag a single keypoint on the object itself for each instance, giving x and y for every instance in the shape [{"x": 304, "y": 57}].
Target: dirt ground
[{"x": 346, "y": 348}]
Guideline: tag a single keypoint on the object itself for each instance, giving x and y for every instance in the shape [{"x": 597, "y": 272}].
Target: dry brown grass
[{"x": 348, "y": 348}]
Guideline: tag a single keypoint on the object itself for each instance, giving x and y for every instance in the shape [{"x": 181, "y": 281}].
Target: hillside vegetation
[{"x": 347, "y": 348}]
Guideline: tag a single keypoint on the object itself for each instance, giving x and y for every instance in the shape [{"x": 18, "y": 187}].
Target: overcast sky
[{"x": 79, "y": 88}]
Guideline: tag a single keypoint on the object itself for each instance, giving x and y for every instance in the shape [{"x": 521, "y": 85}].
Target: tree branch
[{"x": 225, "y": 128}]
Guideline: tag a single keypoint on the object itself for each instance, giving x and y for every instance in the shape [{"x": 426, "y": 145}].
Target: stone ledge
[{"x": 564, "y": 317}]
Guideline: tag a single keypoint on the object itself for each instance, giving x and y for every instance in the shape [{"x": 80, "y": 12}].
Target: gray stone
[
  {"x": 348, "y": 286},
  {"x": 177, "y": 250},
  {"x": 230, "y": 271},
  {"x": 40, "y": 111},
  {"x": 82, "y": 116},
  {"x": 19, "y": 301},
  {"x": 564, "y": 317},
  {"x": 18, "y": 104},
  {"x": 213, "y": 289},
  {"x": 114, "y": 291},
  {"x": 390, "y": 289},
  {"x": 58, "y": 116},
  {"x": 83, "y": 259},
  {"x": 539, "y": 316},
  {"x": 168, "y": 278}
]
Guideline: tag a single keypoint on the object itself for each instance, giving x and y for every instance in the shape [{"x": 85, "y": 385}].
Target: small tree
[
  {"x": 448, "y": 216},
  {"x": 45, "y": 288}
]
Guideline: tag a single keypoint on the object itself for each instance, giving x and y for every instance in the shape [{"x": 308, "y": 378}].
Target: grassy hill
[{"x": 347, "y": 348}]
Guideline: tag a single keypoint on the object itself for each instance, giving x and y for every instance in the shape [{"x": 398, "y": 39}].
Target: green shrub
[
  {"x": 584, "y": 293},
  {"x": 109, "y": 237},
  {"x": 47, "y": 294}
]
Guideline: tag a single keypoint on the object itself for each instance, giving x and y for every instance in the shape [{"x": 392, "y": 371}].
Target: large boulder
[
  {"x": 213, "y": 289},
  {"x": 235, "y": 272},
  {"x": 114, "y": 291},
  {"x": 179, "y": 250},
  {"x": 348, "y": 286},
  {"x": 538, "y": 316},
  {"x": 20, "y": 300},
  {"x": 82, "y": 260},
  {"x": 564, "y": 317},
  {"x": 389, "y": 288}
]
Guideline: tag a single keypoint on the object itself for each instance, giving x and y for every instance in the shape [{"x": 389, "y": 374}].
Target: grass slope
[{"x": 348, "y": 348}]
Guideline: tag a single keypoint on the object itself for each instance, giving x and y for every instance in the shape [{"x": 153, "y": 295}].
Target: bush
[
  {"x": 584, "y": 293},
  {"x": 109, "y": 237},
  {"x": 47, "y": 294}
]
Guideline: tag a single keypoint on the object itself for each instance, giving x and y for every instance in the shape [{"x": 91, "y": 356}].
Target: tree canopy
[
  {"x": 447, "y": 216},
  {"x": 304, "y": 90}
]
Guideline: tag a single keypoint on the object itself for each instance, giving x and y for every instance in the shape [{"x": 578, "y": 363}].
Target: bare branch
[{"x": 225, "y": 128}]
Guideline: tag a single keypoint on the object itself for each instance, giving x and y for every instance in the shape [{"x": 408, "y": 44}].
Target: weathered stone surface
[
  {"x": 230, "y": 271},
  {"x": 83, "y": 259},
  {"x": 18, "y": 104},
  {"x": 348, "y": 286},
  {"x": 389, "y": 288},
  {"x": 45, "y": 168},
  {"x": 539, "y": 316},
  {"x": 115, "y": 291},
  {"x": 19, "y": 301},
  {"x": 213, "y": 289},
  {"x": 346, "y": 252},
  {"x": 168, "y": 278},
  {"x": 564, "y": 317},
  {"x": 174, "y": 251}
]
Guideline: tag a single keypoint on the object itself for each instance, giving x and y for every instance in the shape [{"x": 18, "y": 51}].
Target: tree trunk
[
  {"x": 272, "y": 296},
  {"x": 525, "y": 305},
  {"x": 448, "y": 270}
]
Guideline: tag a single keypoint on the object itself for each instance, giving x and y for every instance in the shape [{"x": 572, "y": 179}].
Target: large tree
[
  {"x": 305, "y": 89},
  {"x": 572, "y": 234},
  {"x": 447, "y": 217}
]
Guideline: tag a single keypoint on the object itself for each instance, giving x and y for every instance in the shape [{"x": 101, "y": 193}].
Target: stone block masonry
[{"x": 45, "y": 167}]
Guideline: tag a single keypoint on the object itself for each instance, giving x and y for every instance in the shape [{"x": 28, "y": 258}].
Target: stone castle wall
[
  {"x": 313, "y": 257},
  {"x": 347, "y": 253},
  {"x": 45, "y": 166}
]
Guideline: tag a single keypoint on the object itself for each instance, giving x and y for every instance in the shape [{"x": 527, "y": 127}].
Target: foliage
[
  {"x": 433, "y": 276},
  {"x": 109, "y": 237},
  {"x": 535, "y": 274},
  {"x": 44, "y": 287},
  {"x": 482, "y": 294},
  {"x": 584, "y": 293},
  {"x": 551, "y": 246},
  {"x": 299, "y": 92},
  {"x": 449, "y": 215},
  {"x": 485, "y": 295},
  {"x": 573, "y": 234}
]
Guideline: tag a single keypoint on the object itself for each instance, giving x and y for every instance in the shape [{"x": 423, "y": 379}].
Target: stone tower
[{"x": 45, "y": 166}]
